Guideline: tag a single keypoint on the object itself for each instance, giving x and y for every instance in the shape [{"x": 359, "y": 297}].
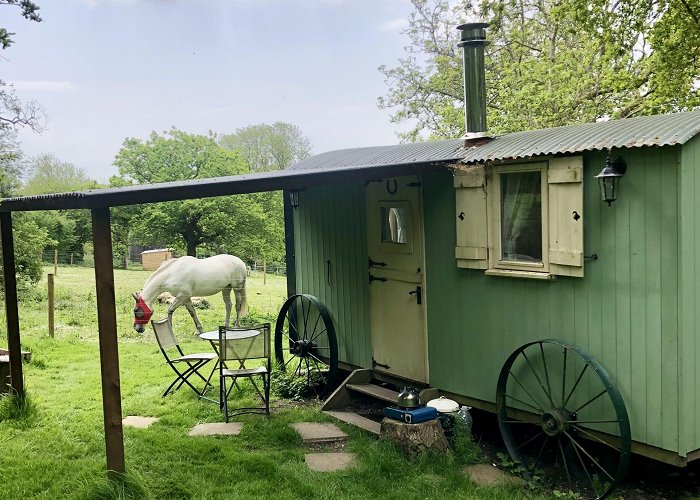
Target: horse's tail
[{"x": 242, "y": 299}]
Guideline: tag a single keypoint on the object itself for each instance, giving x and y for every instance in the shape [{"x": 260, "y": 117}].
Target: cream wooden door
[{"x": 397, "y": 285}]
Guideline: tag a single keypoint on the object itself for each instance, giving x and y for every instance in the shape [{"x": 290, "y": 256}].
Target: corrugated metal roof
[
  {"x": 401, "y": 154},
  {"x": 658, "y": 130}
]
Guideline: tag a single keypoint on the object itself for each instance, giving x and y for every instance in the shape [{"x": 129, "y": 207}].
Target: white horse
[{"x": 187, "y": 277}]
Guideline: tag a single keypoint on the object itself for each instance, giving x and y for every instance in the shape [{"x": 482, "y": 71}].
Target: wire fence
[{"x": 66, "y": 258}]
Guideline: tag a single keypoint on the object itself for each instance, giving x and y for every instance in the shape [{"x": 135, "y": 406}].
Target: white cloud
[
  {"x": 394, "y": 26},
  {"x": 44, "y": 86}
]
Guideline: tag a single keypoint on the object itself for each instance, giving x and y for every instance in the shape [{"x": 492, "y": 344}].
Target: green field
[{"x": 56, "y": 450}]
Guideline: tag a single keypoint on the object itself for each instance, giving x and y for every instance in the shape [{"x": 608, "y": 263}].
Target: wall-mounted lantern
[
  {"x": 609, "y": 179},
  {"x": 294, "y": 198}
]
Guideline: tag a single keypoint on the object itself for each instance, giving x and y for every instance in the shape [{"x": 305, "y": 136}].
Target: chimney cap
[{"x": 473, "y": 25}]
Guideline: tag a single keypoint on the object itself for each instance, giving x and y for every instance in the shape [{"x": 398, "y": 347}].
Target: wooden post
[
  {"x": 71, "y": 258},
  {"x": 51, "y": 305},
  {"x": 290, "y": 254},
  {"x": 264, "y": 272},
  {"x": 55, "y": 262},
  {"x": 107, "y": 326},
  {"x": 11, "y": 310}
]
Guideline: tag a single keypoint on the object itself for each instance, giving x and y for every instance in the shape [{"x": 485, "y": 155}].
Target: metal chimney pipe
[{"x": 473, "y": 41}]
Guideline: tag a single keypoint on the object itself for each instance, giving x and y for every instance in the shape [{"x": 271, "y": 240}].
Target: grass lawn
[{"x": 58, "y": 451}]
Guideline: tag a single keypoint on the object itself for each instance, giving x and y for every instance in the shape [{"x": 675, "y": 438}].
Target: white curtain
[{"x": 521, "y": 216}]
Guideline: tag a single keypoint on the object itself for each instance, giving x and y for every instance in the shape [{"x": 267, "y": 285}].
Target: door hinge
[
  {"x": 374, "y": 263},
  {"x": 374, "y": 278},
  {"x": 381, "y": 365}
]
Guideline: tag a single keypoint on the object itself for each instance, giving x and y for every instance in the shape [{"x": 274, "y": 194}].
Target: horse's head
[{"x": 142, "y": 313}]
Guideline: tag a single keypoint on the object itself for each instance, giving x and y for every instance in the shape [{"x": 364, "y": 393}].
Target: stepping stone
[
  {"x": 312, "y": 432},
  {"x": 138, "y": 422},
  {"x": 329, "y": 462},
  {"x": 218, "y": 428},
  {"x": 488, "y": 475}
]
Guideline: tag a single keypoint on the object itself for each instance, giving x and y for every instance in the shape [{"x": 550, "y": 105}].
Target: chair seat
[
  {"x": 243, "y": 372},
  {"x": 199, "y": 356}
]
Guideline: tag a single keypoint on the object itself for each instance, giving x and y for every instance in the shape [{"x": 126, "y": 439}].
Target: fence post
[
  {"x": 71, "y": 258},
  {"x": 51, "y": 305},
  {"x": 55, "y": 262},
  {"x": 264, "y": 272}
]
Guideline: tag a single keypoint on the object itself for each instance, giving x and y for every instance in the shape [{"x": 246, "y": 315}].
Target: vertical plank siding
[
  {"x": 634, "y": 311},
  {"x": 330, "y": 225},
  {"x": 689, "y": 285},
  {"x": 624, "y": 311}
]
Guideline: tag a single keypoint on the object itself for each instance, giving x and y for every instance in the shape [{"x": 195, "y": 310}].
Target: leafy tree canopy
[
  {"x": 233, "y": 224},
  {"x": 549, "y": 63},
  {"x": 268, "y": 147},
  {"x": 28, "y": 9},
  {"x": 47, "y": 174}
]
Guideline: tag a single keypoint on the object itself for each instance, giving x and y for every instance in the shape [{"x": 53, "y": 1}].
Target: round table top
[{"x": 230, "y": 335}]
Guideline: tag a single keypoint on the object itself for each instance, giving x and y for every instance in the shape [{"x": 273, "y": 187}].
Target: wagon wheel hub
[
  {"x": 554, "y": 422},
  {"x": 302, "y": 348}
]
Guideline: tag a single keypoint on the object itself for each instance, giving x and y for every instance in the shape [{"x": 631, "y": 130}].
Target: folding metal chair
[
  {"x": 238, "y": 346},
  {"x": 168, "y": 345}
]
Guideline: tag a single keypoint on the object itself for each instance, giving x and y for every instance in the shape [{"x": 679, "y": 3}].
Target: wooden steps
[
  {"x": 357, "y": 420},
  {"x": 358, "y": 388},
  {"x": 375, "y": 391}
]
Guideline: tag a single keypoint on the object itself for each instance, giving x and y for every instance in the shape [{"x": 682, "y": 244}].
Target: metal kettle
[{"x": 408, "y": 398}]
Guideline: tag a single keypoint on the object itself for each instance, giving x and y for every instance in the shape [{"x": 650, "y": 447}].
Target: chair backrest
[
  {"x": 164, "y": 333},
  {"x": 244, "y": 343}
]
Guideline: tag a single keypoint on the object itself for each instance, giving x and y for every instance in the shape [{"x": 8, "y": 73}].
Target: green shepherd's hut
[{"x": 550, "y": 276}]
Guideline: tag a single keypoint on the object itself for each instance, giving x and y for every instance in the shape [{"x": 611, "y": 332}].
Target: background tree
[
  {"x": 67, "y": 230},
  {"x": 232, "y": 224},
  {"x": 268, "y": 147},
  {"x": 549, "y": 63}
]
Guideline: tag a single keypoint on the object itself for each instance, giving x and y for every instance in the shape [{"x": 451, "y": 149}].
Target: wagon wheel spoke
[
  {"x": 539, "y": 381},
  {"x": 563, "y": 457},
  {"x": 306, "y": 318},
  {"x": 595, "y": 438},
  {"x": 537, "y": 404},
  {"x": 546, "y": 374},
  {"x": 563, "y": 379},
  {"x": 573, "y": 389}
]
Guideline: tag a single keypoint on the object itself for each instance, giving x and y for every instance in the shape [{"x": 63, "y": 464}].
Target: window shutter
[
  {"x": 565, "y": 179},
  {"x": 470, "y": 192}
]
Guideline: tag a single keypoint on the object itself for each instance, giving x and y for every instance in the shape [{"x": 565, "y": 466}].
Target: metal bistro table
[{"x": 213, "y": 338}]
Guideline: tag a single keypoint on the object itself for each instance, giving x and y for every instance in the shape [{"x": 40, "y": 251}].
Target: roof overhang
[{"x": 289, "y": 179}]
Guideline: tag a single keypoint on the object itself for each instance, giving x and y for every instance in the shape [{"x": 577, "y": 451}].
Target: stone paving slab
[
  {"x": 488, "y": 475},
  {"x": 217, "y": 428},
  {"x": 312, "y": 432},
  {"x": 138, "y": 422},
  {"x": 329, "y": 462}
]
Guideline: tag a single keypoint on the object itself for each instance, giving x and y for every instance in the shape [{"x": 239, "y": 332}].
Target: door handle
[{"x": 419, "y": 294}]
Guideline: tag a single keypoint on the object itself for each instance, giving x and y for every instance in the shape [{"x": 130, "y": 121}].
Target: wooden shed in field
[{"x": 152, "y": 259}]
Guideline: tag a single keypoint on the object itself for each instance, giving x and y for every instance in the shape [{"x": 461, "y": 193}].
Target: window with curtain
[{"x": 521, "y": 216}]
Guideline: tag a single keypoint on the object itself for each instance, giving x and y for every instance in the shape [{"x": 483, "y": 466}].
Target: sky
[{"x": 105, "y": 70}]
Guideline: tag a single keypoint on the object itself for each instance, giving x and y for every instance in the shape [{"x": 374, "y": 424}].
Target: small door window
[{"x": 394, "y": 228}]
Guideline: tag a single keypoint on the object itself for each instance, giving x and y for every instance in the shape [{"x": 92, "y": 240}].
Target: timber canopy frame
[{"x": 99, "y": 201}]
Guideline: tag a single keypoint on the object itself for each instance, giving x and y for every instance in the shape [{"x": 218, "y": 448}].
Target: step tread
[
  {"x": 357, "y": 420},
  {"x": 375, "y": 391}
]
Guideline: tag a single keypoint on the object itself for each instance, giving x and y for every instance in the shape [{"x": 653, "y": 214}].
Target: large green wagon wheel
[
  {"x": 558, "y": 410},
  {"x": 305, "y": 343}
]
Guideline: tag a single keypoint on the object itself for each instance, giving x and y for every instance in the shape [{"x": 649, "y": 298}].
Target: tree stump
[
  {"x": 415, "y": 439},
  {"x": 4, "y": 374}
]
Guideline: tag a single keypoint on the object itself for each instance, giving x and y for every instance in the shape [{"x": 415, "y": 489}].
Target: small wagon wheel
[
  {"x": 305, "y": 342},
  {"x": 557, "y": 407}
]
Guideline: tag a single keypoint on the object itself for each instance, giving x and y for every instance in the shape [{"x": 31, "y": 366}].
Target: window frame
[{"x": 498, "y": 266}]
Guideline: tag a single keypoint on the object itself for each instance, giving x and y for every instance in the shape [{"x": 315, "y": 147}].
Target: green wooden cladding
[
  {"x": 624, "y": 311},
  {"x": 636, "y": 310},
  {"x": 330, "y": 234}
]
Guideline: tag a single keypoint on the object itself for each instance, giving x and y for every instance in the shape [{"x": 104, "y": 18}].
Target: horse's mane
[{"x": 157, "y": 272}]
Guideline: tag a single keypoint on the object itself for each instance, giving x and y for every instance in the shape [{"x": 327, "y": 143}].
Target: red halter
[{"x": 142, "y": 313}]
